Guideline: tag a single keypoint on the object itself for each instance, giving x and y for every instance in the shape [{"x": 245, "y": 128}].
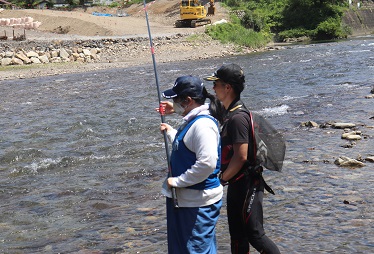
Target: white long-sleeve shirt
[{"x": 202, "y": 138}]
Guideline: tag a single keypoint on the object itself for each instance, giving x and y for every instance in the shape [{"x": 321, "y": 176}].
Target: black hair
[
  {"x": 238, "y": 86},
  {"x": 215, "y": 106}
]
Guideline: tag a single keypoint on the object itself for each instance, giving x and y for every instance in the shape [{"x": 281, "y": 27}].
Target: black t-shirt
[{"x": 236, "y": 129}]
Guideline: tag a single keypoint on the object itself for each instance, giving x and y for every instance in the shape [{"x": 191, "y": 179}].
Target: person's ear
[
  {"x": 188, "y": 100},
  {"x": 228, "y": 86}
]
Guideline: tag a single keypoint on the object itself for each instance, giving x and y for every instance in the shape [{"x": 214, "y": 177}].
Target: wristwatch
[{"x": 223, "y": 182}]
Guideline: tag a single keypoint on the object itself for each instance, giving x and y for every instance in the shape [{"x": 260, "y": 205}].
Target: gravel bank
[
  {"x": 121, "y": 53},
  {"x": 123, "y": 42}
]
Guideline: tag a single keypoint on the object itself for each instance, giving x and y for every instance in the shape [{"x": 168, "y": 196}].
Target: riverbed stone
[
  {"x": 349, "y": 145},
  {"x": 343, "y": 125},
  {"x": 23, "y": 57},
  {"x": 93, "y": 53},
  {"x": 346, "y": 134},
  {"x": 370, "y": 159},
  {"x": 75, "y": 56},
  {"x": 32, "y": 54},
  {"x": 310, "y": 124},
  {"x": 54, "y": 53},
  {"x": 35, "y": 60},
  {"x": 9, "y": 54},
  {"x": 63, "y": 53},
  {"x": 55, "y": 60},
  {"x": 353, "y": 137},
  {"x": 86, "y": 52},
  {"x": 6, "y": 61},
  {"x": 344, "y": 161},
  {"x": 44, "y": 59},
  {"x": 65, "y": 60},
  {"x": 17, "y": 61}
]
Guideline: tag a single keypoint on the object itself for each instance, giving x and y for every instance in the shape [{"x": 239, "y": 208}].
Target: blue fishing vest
[{"x": 182, "y": 158}]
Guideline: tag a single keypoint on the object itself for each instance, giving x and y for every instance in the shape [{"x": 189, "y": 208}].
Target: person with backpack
[
  {"x": 194, "y": 168},
  {"x": 238, "y": 165}
]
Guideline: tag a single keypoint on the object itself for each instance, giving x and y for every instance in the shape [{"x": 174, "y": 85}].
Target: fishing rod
[{"x": 173, "y": 191}]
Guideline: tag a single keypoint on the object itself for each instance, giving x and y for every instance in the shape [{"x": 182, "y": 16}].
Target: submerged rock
[
  {"x": 370, "y": 159},
  {"x": 353, "y": 137},
  {"x": 309, "y": 124},
  {"x": 343, "y": 125},
  {"x": 348, "y": 162}
]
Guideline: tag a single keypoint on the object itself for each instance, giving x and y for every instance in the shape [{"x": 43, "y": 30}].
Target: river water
[{"x": 82, "y": 160}]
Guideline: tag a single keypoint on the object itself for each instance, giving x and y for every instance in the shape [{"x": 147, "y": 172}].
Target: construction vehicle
[{"x": 193, "y": 13}]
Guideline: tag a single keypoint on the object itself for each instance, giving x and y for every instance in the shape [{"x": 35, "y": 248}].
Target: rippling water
[{"x": 82, "y": 160}]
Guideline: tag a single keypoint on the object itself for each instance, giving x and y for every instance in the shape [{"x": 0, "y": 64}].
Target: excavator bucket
[{"x": 211, "y": 8}]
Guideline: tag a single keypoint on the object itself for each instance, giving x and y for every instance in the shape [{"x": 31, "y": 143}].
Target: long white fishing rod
[{"x": 173, "y": 192}]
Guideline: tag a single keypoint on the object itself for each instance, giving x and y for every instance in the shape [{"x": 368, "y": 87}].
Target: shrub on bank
[
  {"x": 230, "y": 32},
  {"x": 329, "y": 29},
  {"x": 292, "y": 33}
]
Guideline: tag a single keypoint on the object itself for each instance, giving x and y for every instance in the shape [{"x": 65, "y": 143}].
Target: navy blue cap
[{"x": 186, "y": 85}]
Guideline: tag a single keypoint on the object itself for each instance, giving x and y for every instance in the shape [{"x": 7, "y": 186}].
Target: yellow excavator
[{"x": 193, "y": 13}]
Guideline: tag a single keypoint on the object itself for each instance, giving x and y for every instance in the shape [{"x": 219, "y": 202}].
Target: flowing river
[{"x": 82, "y": 159}]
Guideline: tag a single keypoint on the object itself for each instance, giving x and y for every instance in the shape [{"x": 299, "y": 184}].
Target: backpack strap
[
  {"x": 242, "y": 108},
  {"x": 253, "y": 137}
]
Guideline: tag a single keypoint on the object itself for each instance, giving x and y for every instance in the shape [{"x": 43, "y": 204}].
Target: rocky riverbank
[
  {"x": 29, "y": 59},
  {"x": 92, "y": 42}
]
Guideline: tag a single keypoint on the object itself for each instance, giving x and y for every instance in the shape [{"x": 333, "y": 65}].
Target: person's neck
[
  {"x": 192, "y": 107},
  {"x": 229, "y": 101},
  {"x": 195, "y": 111}
]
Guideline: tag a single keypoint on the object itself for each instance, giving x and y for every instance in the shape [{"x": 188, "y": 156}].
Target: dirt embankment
[
  {"x": 81, "y": 22},
  {"x": 81, "y": 25}
]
